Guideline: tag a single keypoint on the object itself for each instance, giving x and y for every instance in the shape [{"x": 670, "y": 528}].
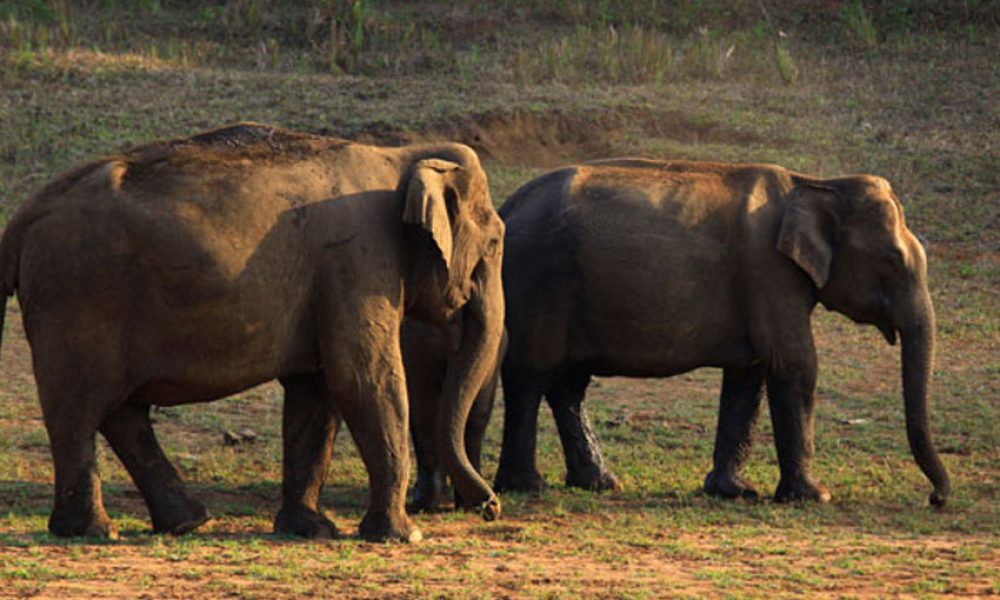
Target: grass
[{"x": 579, "y": 80}]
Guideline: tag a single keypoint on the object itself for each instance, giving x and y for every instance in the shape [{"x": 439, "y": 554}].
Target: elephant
[
  {"x": 648, "y": 268},
  {"x": 427, "y": 350},
  {"x": 190, "y": 269}
]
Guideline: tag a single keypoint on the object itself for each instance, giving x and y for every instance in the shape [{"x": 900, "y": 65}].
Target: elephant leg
[
  {"x": 792, "y": 401},
  {"x": 424, "y": 383},
  {"x": 518, "y": 470},
  {"x": 78, "y": 508},
  {"x": 308, "y": 430},
  {"x": 585, "y": 466},
  {"x": 130, "y": 433},
  {"x": 739, "y": 408},
  {"x": 429, "y": 491},
  {"x": 372, "y": 399}
]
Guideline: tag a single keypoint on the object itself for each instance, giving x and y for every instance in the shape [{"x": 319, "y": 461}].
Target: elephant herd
[{"x": 381, "y": 288}]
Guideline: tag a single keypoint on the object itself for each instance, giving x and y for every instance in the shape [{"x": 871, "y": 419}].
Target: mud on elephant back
[
  {"x": 190, "y": 269},
  {"x": 647, "y": 268}
]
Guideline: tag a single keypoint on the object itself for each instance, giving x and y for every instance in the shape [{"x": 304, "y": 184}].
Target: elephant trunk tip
[
  {"x": 490, "y": 510},
  {"x": 939, "y": 497}
]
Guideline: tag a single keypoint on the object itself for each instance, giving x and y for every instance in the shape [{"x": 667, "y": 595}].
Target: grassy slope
[{"x": 919, "y": 109}]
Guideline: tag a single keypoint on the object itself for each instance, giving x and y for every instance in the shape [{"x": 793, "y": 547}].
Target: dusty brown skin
[
  {"x": 187, "y": 270},
  {"x": 648, "y": 269},
  {"x": 427, "y": 350}
]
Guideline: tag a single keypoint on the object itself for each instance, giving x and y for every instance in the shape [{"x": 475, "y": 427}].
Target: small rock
[
  {"x": 619, "y": 420},
  {"x": 237, "y": 438}
]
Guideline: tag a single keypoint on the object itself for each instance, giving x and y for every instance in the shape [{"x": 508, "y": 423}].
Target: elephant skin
[
  {"x": 645, "y": 268},
  {"x": 191, "y": 269},
  {"x": 427, "y": 349}
]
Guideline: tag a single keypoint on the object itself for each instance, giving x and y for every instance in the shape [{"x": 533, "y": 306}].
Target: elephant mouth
[
  {"x": 456, "y": 299},
  {"x": 888, "y": 331}
]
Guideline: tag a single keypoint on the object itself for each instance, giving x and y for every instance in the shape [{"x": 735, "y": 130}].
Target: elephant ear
[
  {"x": 809, "y": 229},
  {"x": 431, "y": 202}
]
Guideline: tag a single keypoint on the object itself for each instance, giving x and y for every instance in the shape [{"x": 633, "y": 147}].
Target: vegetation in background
[{"x": 637, "y": 41}]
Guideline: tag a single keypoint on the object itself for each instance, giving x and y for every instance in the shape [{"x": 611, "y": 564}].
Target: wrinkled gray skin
[
  {"x": 191, "y": 269},
  {"x": 649, "y": 269},
  {"x": 427, "y": 350}
]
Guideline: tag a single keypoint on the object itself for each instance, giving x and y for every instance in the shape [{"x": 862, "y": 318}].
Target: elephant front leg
[
  {"x": 370, "y": 392},
  {"x": 131, "y": 436},
  {"x": 585, "y": 465},
  {"x": 739, "y": 408},
  {"x": 792, "y": 400},
  {"x": 308, "y": 430}
]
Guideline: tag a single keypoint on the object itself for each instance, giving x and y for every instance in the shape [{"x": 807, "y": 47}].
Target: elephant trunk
[
  {"x": 917, "y": 361},
  {"x": 474, "y": 362}
]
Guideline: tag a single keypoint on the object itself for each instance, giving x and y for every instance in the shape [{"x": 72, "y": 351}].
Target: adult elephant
[
  {"x": 428, "y": 350},
  {"x": 190, "y": 269},
  {"x": 648, "y": 269}
]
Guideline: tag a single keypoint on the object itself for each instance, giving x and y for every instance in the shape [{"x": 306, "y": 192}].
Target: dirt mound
[{"x": 550, "y": 138}]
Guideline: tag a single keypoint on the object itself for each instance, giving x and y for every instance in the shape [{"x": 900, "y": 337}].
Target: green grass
[{"x": 862, "y": 87}]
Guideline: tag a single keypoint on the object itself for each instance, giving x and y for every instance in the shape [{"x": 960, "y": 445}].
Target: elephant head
[
  {"x": 849, "y": 235},
  {"x": 449, "y": 199}
]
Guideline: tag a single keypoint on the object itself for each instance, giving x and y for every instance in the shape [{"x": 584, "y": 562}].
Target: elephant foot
[
  {"x": 801, "y": 490},
  {"x": 510, "y": 480},
  {"x": 729, "y": 485},
  {"x": 595, "y": 481},
  {"x": 89, "y": 525},
  {"x": 382, "y": 527},
  {"x": 303, "y": 522},
  {"x": 185, "y": 518}
]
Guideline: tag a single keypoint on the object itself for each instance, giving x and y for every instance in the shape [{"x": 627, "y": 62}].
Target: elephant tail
[
  {"x": 9, "y": 260},
  {"x": 3, "y": 312}
]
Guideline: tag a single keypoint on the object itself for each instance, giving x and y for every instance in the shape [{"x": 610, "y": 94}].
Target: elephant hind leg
[
  {"x": 308, "y": 430},
  {"x": 130, "y": 433},
  {"x": 73, "y": 401},
  {"x": 585, "y": 465},
  {"x": 78, "y": 508},
  {"x": 77, "y": 358},
  {"x": 739, "y": 408},
  {"x": 518, "y": 469},
  {"x": 71, "y": 423}
]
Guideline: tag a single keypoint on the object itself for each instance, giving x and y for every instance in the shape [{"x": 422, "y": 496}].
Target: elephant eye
[{"x": 492, "y": 247}]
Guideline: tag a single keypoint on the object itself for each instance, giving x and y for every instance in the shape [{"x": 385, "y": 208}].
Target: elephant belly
[
  {"x": 120, "y": 329},
  {"x": 661, "y": 352},
  {"x": 215, "y": 353},
  {"x": 630, "y": 326}
]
